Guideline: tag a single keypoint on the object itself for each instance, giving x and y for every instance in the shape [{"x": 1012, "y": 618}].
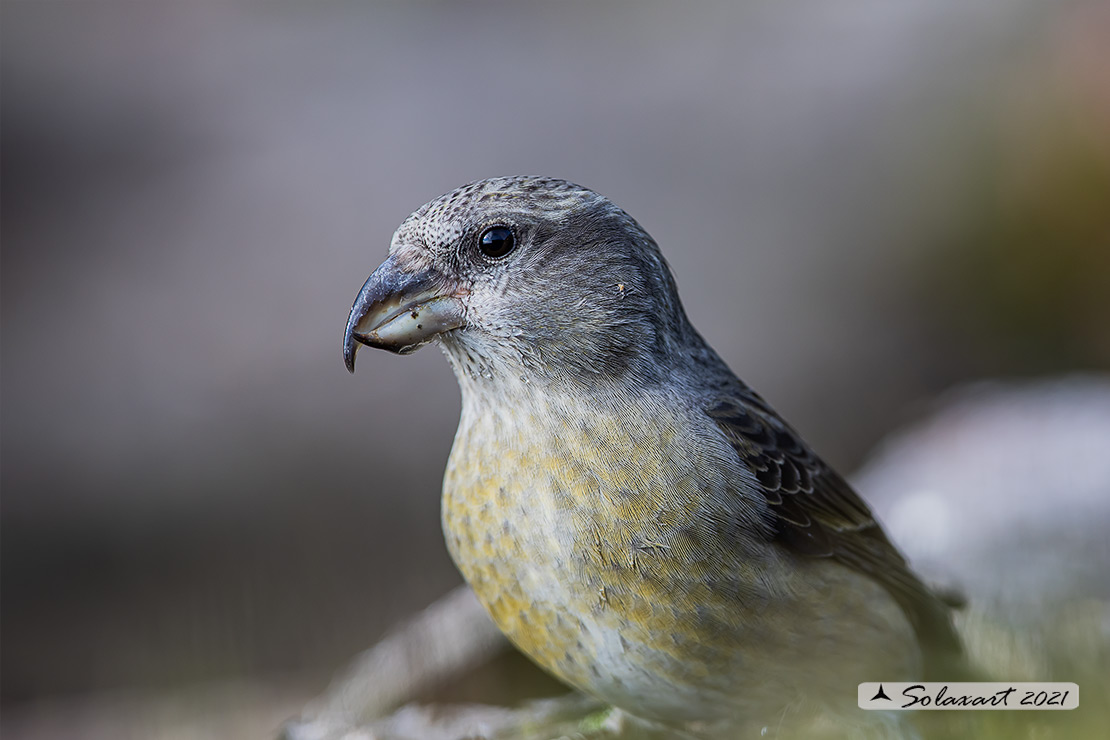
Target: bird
[{"x": 633, "y": 516}]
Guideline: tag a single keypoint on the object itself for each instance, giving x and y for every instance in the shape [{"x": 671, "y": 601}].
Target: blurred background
[{"x": 865, "y": 204}]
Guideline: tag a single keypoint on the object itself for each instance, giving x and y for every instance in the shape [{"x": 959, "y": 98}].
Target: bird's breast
[{"x": 596, "y": 540}]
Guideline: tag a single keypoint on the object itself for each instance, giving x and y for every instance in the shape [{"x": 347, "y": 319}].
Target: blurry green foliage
[{"x": 1026, "y": 281}]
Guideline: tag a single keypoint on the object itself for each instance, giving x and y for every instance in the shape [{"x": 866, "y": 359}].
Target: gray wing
[{"x": 814, "y": 512}]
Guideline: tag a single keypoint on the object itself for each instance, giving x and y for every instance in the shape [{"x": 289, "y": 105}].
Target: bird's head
[{"x": 524, "y": 276}]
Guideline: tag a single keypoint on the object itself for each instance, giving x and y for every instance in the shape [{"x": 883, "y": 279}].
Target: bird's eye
[{"x": 496, "y": 241}]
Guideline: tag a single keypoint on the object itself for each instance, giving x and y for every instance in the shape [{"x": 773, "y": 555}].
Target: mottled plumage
[{"x": 634, "y": 517}]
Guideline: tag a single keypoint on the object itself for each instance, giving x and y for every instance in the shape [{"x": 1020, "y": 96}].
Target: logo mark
[
  {"x": 880, "y": 694},
  {"x": 895, "y": 695}
]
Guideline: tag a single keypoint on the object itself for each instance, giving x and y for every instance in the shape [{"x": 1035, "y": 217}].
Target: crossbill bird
[{"x": 635, "y": 518}]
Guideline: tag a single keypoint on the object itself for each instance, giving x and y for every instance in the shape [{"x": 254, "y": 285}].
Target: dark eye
[{"x": 496, "y": 241}]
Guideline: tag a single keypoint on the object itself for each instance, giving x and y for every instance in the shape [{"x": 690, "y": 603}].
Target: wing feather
[{"x": 816, "y": 513}]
